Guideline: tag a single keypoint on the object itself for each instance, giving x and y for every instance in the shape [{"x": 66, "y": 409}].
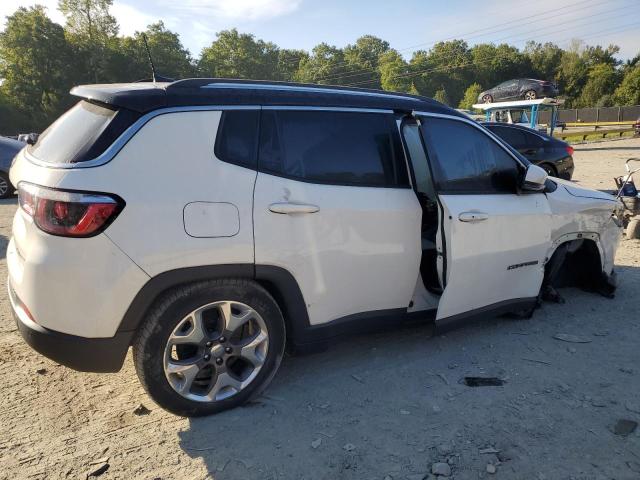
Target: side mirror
[{"x": 534, "y": 179}]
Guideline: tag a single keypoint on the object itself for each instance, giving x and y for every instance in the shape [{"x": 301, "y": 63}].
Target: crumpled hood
[{"x": 583, "y": 192}]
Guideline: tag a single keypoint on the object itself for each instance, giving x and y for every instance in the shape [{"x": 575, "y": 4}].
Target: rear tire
[
  {"x": 530, "y": 95},
  {"x": 6, "y": 189},
  {"x": 487, "y": 98},
  {"x": 191, "y": 354}
]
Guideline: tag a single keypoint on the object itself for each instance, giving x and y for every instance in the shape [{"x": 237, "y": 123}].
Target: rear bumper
[{"x": 78, "y": 353}]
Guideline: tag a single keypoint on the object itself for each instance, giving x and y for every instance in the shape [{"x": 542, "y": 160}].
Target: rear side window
[
  {"x": 512, "y": 136},
  {"x": 338, "y": 148},
  {"x": 237, "y": 138},
  {"x": 83, "y": 133},
  {"x": 532, "y": 140},
  {"x": 467, "y": 160}
]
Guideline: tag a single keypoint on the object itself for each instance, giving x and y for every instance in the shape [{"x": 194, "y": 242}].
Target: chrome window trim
[
  {"x": 475, "y": 124},
  {"x": 326, "y": 109},
  {"x": 122, "y": 140},
  {"x": 293, "y": 88}
]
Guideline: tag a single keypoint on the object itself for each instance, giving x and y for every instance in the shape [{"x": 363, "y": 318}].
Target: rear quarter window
[
  {"x": 237, "y": 138},
  {"x": 83, "y": 133}
]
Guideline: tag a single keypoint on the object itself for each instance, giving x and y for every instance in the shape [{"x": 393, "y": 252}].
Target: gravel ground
[{"x": 383, "y": 406}]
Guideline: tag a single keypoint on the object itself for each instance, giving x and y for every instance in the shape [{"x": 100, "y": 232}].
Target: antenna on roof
[{"x": 153, "y": 68}]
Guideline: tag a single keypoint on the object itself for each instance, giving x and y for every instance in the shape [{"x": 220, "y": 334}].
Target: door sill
[{"x": 493, "y": 310}]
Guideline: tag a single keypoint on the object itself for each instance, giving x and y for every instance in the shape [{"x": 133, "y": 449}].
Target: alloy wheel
[
  {"x": 530, "y": 95},
  {"x": 216, "y": 351}
]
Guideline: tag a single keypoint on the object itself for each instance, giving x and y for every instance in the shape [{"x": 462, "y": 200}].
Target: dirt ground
[{"x": 380, "y": 406}]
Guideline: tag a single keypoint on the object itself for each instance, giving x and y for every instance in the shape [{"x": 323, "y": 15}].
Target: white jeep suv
[{"x": 210, "y": 223}]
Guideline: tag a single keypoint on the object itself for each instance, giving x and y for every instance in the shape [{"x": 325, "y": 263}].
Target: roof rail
[{"x": 280, "y": 85}]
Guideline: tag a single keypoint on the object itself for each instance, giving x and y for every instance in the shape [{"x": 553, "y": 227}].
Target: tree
[
  {"x": 628, "y": 93},
  {"x": 395, "y": 73},
  {"x": 239, "y": 55},
  {"x": 470, "y": 96},
  {"x": 289, "y": 63},
  {"x": 495, "y": 64},
  {"x": 326, "y": 65},
  {"x": 572, "y": 73},
  {"x": 544, "y": 59},
  {"x": 169, "y": 56},
  {"x": 92, "y": 30},
  {"x": 363, "y": 58},
  {"x": 446, "y": 63},
  {"x": 441, "y": 96},
  {"x": 34, "y": 65},
  {"x": 601, "y": 82}
]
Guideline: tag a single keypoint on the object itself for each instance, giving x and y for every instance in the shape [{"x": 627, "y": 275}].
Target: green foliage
[
  {"x": 41, "y": 60},
  {"x": 395, "y": 73},
  {"x": 239, "y": 55},
  {"x": 493, "y": 64},
  {"x": 325, "y": 65},
  {"x": 289, "y": 63},
  {"x": 363, "y": 59},
  {"x": 35, "y": 58},
  {"x": 628, "y": 93},
  {"x": 170, "y": 58},
  {"x": 601, "y": 83},
  {"x": 441, "y": 96},
  {"x": 92, "y": 32},
  {"x": 545, "y": 59},
  {"x": 447, "y": 63},
  {"x": 470, "y": 96}
]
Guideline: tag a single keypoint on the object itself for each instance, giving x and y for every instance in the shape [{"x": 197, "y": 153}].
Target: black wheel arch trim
[{"x": 278, "y": 281}]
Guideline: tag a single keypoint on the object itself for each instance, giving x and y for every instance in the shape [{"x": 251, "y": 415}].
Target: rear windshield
[{"x": 83, "y": 133}]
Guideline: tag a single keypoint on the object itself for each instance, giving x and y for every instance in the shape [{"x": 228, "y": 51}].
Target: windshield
[{"x": 83, "y": 133}]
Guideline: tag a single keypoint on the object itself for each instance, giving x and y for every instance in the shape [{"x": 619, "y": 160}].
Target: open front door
[{"x": 494, "y": 241}]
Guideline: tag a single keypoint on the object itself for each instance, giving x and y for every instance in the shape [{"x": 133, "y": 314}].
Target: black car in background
[
  {"x": 554, "y": 155},
  {"x": 519, "y": 89},
  {"x": 8, "y": 149}
]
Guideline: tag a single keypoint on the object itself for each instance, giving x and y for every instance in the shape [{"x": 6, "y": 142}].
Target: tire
[
  {"x": 487, "y": 98},
  {"x": 6, "y": 189},
  {"x": 162, "y": 347},
  {"x": 530, "y": 95},
  {"x": 550, "y": 169}
]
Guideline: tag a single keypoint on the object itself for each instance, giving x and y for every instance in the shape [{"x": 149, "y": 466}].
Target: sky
[{"x": 408, "y": 25}]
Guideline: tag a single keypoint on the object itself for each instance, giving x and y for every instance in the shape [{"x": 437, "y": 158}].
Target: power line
[
  {"x": 468, "y": 36},
  {"x": 375, "y": 70},
  {"x": 444, "y": 68},
  {"x": 490, "y": 30}
]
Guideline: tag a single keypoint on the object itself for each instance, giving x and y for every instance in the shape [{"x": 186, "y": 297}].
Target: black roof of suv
[{"x": 146, "y": 96}]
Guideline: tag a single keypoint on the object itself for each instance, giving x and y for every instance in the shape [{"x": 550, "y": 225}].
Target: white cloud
[
  {"x": 234, "y": 9},
  {"x": 130, "y": 18}
]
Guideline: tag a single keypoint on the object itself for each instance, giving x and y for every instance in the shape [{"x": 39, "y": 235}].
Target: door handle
[
  {"x": 472, "y": 217},
  {"x": 293, "y": 208}
]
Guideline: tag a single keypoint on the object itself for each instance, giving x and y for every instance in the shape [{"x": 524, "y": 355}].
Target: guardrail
[
  {"x": 596, "y": 125},
  {"x": 584, "y": 134}
]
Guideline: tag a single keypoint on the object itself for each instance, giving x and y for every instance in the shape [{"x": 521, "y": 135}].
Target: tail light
[
  {"x": 569, "y": 150},
  {"x": 68, "y": 214}
]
